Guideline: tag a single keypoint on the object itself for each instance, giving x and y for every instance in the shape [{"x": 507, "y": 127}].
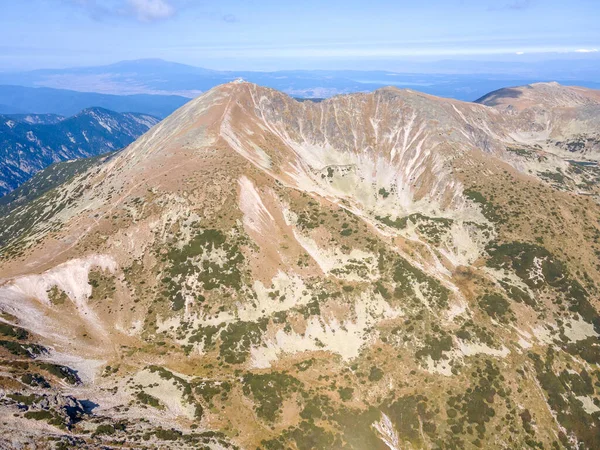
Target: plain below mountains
[
  {"x": 42, "y": 100},
  {"x": 463, "y": 80},
  {"x": 31, "y": 142}
]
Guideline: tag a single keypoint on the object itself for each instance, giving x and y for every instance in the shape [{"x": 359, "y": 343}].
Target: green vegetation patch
[
  {"x": 208, "y": 389},
  {"x": 490, "y": 211},
  {"x": 103, "y": 284},
  {"x": 475, "y": 405},
  {"x": 269, "y": 391},
  {"x": 346, "y": 393},
  {"x": 588, "y": 349},
  {"x": 238, "y": 337},
  {"x": 556, "y": 178},
  {"x": 435, "y": 345},
  {"x": 561, "y": 391},
  {"x": 317, "y": 407},
  {"x": 411, "y": 415},
  {"x": 518, "y": 295},
  {"x": 34, "y": 379},
  {"x": 376, "y": 374},
  {"x": 472, "y": 332},
  {"x": 57, "y": 296},
  {"x": 538, "y": 268},
  {"x": 205, "y": 335},
  {"x": 496, "y": 306},
  {"x": 26, "y": 399},
  {"x": 431, "y": 228},
  {"x": 62, "y": 372},
  {"x": 49, "y": 416},
  {"x": 23, "y": 349},
  {"x": 211, "y": 273},
  {"x": 149, "y": 400},
  {"x": 305, "y": 436},
  {"x": 406, "y": 276},
  {"x": 524, "y": 152},
  {"x": 107, "y": 429},
  {"x": 13, "y": 332}
]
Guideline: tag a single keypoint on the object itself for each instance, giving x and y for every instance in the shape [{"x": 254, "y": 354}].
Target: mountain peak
[{"x": 546, "y": 94}]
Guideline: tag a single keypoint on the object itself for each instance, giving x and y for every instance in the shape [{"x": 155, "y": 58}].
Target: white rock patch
[
  {"x": 470, "y": 349},
  {"x": 168, "y": 392},
  {"x": 334, "y": 260},
  {"x": 70, "y": 277},
  {"x": 87, "y": 369},
  {"x": 343, "y": 338},
  {"x": 291, "y": 288},
  {"x": 578, "y": 329},
  {"x": 588, "y": 404},
  {"x": 256, "y": 215},
  {"x": 387, "y": 432}
]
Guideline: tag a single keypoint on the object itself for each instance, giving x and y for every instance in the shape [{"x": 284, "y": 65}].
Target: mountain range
[
  {"x": 30, "y": 142},
  {"x": 382, "y": 270},
  {"x": 464, "y": 80}
]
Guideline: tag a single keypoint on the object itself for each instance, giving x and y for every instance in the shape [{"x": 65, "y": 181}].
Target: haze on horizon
[{"x": 234, "y": 35}]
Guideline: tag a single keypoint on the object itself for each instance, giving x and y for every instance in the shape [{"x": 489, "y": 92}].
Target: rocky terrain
[
  {"x": 31, "y": 142},
  {"x": 388, "y": 270}
]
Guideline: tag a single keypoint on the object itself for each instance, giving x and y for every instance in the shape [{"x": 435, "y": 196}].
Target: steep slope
[
  {"x": 27, "y": 145},
  {"x": 370, "y": 271},
  {"x": 47, "y": 179}
]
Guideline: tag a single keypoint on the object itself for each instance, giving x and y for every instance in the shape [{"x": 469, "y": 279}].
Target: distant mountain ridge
[
  {"x": 40, "y": 100},
  {"x": 155, "y": 76},
  {"x": 37, "y": 119},
  {"x": 29, "y": 143}
]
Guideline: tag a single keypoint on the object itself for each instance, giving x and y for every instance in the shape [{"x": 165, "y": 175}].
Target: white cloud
[
  {"x": 519, "y": 53},
  {"x": 142, "y": 10},
  {"x": 149, "y": 10},
  {"x": 586, "y": 50}
]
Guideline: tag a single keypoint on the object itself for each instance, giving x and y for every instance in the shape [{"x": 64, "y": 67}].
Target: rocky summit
[{"x": 389, "y": 270}]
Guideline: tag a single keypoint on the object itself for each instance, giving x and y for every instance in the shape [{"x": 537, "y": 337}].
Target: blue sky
[{"x": 269, "y": 34}]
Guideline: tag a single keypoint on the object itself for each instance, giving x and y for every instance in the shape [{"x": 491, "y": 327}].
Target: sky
[{"x": 284, "y": 34}]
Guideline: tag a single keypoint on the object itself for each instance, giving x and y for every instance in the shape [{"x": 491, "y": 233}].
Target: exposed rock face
[{"x": 386, "y": 270}]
